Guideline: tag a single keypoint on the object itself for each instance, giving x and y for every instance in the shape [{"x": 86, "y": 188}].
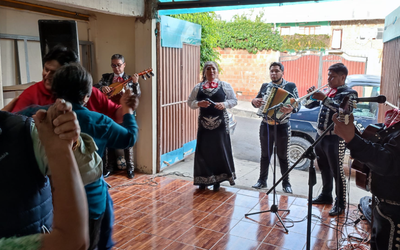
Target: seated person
[
  {"x": 27, "y": 188},
  {"x": 125, "y": 158}
]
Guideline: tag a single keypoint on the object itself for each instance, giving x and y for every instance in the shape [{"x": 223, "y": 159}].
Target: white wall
[{"x": 145, "y": 57}]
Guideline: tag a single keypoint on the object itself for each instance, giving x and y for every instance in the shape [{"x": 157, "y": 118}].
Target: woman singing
[{"x": 213, "y": 161}]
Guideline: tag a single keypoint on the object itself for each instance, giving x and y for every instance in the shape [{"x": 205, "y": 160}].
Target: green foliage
[
  {"x": 209, "y": 34},
  {"x": 299, "y": 42},
  {"x": 253, "y": 36},
  {"x": 243, "y": 33}
]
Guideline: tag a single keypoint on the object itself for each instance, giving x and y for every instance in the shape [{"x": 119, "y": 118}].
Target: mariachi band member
[
  {"x": 330, "y": 150},
  {"x": 125, "y": 160},
  {"x": 382, "y": 158},
  {"x": 276, "y": 72}
]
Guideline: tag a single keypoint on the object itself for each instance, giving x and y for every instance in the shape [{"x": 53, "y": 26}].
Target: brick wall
[{"x": 246, "y": 72}]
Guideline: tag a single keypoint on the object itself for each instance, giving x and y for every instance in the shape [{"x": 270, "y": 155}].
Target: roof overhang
[
  {"x": 177, "y": 4},
  {"x": 168, "y": 7}
]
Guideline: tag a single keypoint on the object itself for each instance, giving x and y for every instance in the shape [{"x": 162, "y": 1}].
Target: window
[
  {"x": 285, "y": 31},
  {"x": 337, "y": 39},
  {"x": 307, "y": 30},
  {"x": 366, "y": 109}
]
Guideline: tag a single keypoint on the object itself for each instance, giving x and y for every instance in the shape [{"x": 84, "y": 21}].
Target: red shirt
[{"x": 37, "y": 94}]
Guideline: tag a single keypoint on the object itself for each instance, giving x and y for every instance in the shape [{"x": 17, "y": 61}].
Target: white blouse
[{"x": 230, "y": 101}]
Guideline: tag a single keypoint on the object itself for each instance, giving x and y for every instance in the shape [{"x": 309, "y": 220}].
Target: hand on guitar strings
[
  {"x": 346, "y": 132},
  {"x": 129, "y": 100},
  {"x": 106, "y": 89}
]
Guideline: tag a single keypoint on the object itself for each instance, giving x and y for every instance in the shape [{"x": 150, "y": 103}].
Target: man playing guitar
[
  {"x": 383, "y": 160},
  {"x": 118, "y": 65}
]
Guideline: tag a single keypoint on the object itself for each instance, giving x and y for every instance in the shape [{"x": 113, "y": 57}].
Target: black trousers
[
  {"x": 267, "y": 141},
  {"x": 110, "y": 159},
  {"x": 330, "y": 155},
  {"x": 94, "y": 232},
  {"x": 385, "y": 227}
]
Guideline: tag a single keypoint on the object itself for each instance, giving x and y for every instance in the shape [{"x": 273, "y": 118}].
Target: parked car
[
  {"x": 232, "y": 122},
  {"x": 304, "y": 122}
]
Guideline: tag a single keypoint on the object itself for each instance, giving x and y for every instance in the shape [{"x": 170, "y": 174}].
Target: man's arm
[
  {"x": 257, "y": 101},
  {"x": 381, "y": 159},
  {"x": 70, "y": 227},
  {"x": 10, "y": 105}
]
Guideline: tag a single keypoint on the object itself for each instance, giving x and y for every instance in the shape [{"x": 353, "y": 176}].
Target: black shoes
[
  {"x": 336, "y": 210},
  {"x": 259, "y": 185},
  {"x": 322, "y": 199},
  {"x": 131, "y": 174},
  {"x": 288, "y": 189},
  {"x": 202, "y": 186},
  {"x": 216, "y": 187}
]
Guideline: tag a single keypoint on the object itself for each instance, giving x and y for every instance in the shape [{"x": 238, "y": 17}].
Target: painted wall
[
  {"x": 145, "y": 57},
  {"x": 112, "y": 35}
]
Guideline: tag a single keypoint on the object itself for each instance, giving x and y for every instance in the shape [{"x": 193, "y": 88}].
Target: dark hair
[
  {"x": 119, "y": 57},
  {"x": 61, "y": 54},
  {"x": 72, "y": 83},
  {"x": 206, "y": 64},
  {"x": 339, "y": 68},
  {"x": 277, "y": 64}
]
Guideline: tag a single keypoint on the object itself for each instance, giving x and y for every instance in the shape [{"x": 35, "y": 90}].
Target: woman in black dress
[{"x": 213, "y": 162}]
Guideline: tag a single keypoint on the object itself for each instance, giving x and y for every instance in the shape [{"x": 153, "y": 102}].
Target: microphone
[
  {"x": 209, "y": 100},
  {"x": 378, "y": 99}
]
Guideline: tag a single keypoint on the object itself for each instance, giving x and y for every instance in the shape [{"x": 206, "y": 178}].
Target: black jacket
[
  {"x": 330, "y": 106},
  {"x": 288, "y": 86}
]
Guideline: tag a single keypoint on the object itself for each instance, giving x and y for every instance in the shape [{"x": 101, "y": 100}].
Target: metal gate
[
  {"x": 178, "y": 72},
  {"x": 312, "y": 70}
]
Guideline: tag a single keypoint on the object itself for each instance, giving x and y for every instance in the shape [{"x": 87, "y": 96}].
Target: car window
[{"x": 366, "y": 109}]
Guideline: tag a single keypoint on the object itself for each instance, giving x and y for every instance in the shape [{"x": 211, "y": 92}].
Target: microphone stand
[
  {"x": 274, "y": 208},
  {"x": 312, "y": 178}
]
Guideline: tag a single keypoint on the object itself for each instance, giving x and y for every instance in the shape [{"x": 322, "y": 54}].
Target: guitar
[
  {"x": 371, "y": 133},
  {"x": 117, "y": 87}
]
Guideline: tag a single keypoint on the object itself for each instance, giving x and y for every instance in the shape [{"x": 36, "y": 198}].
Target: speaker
[{"x": 58, "y": 32}]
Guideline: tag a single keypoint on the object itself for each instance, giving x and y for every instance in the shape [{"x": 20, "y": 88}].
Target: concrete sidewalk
[{"x": 247, "y": 172}]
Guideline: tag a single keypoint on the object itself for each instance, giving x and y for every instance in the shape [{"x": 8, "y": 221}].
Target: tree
[
  {"x": 253, "y": 36},
  {"x": 209, "y": 34}
]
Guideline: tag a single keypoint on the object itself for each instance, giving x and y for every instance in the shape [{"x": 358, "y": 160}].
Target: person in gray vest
[{"x": 24, "y": 184}]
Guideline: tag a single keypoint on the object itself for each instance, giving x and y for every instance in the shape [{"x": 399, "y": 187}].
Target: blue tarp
[{"x": 174, "y": 32}]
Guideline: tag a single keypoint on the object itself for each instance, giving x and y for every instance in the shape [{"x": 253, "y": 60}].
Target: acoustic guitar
[
  {"x": 370, "y": 133},
  {"x": 117, "y": 87}
]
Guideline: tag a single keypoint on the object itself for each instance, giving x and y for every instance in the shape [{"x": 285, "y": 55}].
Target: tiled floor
[{"x": 173, "y": 214}]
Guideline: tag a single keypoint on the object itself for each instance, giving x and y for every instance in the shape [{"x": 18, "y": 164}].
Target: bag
[{"x": 365, "y": 208}]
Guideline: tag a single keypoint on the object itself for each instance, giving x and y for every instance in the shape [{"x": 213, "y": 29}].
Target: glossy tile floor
[{"x": 173, "y": 214}]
